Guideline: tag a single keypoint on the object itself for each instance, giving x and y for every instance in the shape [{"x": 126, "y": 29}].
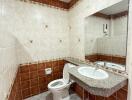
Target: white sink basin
[{"x": 92, "y": 73}]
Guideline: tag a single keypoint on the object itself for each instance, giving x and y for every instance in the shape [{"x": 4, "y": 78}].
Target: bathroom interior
[{"x": 65, "y": 50}]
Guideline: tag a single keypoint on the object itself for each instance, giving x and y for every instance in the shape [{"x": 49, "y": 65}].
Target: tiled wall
[
  {"x": 31, "y": 78},
  {"x": 8, "y": 62},
  {"x": 115, "y": 45},
  {"x": 55, "y": 3},
  {"x": 120, "y": 26},
  {"x": 29, "y": 32},
  {"x": 92, "y": 58},
  {"x": 93, "y": 32},
  {"x": 103, "y": 57},
  {"x": 96, "y": 42},
  {"x": 41, "y": 32}
]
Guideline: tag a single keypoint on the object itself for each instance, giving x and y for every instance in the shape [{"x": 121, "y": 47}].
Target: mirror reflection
[{"x": 106, "y": 36}]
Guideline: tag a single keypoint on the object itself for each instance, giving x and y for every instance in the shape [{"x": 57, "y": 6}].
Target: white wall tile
[
  {"x": 93, "y": 33},
  {"x": 21, "y": 23}
]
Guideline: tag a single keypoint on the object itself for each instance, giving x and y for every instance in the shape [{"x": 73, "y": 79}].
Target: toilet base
[{"x": 61, "y": 95}]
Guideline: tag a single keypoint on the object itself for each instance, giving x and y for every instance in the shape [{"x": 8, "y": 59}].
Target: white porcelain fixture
[
  {"x": 116, "y": 66},
  {"x": 60, "y": 87},
  {"x": 91, "y": 72},
  {"x": 111, "y": 65}
]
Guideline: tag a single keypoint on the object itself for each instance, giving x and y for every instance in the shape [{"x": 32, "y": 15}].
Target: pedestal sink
[{"x": 91, "y": 72}]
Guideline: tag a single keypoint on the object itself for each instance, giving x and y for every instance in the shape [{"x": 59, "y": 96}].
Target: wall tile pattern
[
  {"x": 29, "y": 32},
  {"x": 57, "y": 3},
  {"x": 115, "y": 41},
  {"x": 45, "y": 34},
  {"x": 32, "y": 80},
  {"x": 8, "y": 63}
]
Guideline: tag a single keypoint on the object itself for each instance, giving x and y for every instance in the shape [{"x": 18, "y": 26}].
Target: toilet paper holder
[{"x": 48, "y": 71}]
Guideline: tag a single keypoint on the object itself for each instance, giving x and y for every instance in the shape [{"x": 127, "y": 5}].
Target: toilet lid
[{"x": 66, "y": 73}]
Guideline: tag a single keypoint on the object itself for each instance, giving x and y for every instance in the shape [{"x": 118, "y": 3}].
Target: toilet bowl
[{"x": 60, "y": 87}]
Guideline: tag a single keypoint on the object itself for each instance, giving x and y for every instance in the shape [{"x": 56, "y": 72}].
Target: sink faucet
[
  {"x": 104, "y": 64},
  {"x": 96, "y": 66}
]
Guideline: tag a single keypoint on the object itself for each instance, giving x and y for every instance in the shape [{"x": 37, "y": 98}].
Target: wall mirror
[{"x": 106, "y": 36}]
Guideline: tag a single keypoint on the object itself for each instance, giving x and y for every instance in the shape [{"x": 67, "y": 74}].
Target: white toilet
[{"x": 60, "y": 87}]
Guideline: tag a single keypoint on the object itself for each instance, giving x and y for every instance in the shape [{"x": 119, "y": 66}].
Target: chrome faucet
[
  {"x": 96, "y": 66},
  {"x": 104, "y": 64}
]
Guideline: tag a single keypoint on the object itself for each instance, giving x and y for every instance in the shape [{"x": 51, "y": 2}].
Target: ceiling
[
  {"x": 66, "y": 1},
  {"x": 117, "y": 8}
]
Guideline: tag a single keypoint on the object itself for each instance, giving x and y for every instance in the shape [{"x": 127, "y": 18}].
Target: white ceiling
[
  {"x": 66, "y": 0},
  {"x": 117, "y": 8}
]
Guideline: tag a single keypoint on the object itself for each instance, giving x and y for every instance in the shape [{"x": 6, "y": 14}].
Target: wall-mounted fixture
[
  {"x": 31, "y": 41},
  {"x": 48, "y": 71},
  {"x": 69, "y": 27},
  {"x": 105, "y": 28},
  {"x": 79, "y": 39},
  {"x": 46, "y": 26},
  {"x": 60, "y": 41}
]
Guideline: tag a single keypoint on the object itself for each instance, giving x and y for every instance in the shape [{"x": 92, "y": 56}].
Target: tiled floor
[{"x": 48, "y": 96}]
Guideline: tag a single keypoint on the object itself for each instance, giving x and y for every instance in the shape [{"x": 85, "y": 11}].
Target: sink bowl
[{"x": 91, "y": 72}]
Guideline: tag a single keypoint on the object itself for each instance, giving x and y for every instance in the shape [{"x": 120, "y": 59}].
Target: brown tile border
[
  {"x": 31, "y": 79},
  {"x": 104, "y": 57},
  {"x": 118, "y": 15},
  {"x": 72, "y": 2},
  {"x": 98, "y": 14},
  {"x": 113, "y": 16},
  {"x": 54, "y": 3}
]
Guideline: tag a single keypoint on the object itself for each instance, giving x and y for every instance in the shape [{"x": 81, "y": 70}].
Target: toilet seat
[{"x": 57, "y": 84}]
